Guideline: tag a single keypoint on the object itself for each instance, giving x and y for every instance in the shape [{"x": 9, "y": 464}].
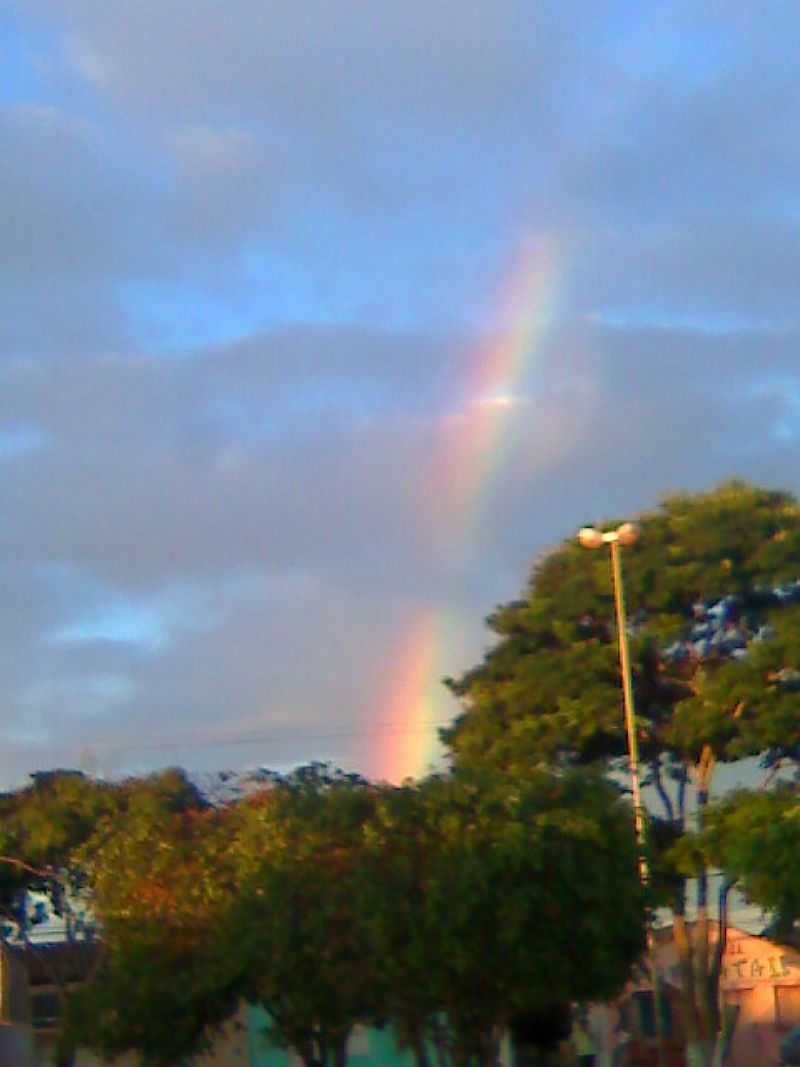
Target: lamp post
[{"x": 625, "y": 535}]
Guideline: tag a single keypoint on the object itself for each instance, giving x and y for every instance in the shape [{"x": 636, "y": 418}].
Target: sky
[{"x": 320, "y": 320}]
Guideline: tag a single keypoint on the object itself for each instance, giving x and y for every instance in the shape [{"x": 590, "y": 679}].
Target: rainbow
[
  {"x": 470, "y": 451},
  {"x": 409, "y": 706}
]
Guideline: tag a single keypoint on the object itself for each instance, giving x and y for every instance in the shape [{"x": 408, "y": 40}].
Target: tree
[
  {"x": 711, "y": 587},
  {"x": 154, "y": 869},
  {"x": 492, "y": 885},
  {"x": 296, "y": 917},
  {"x": 202, "y": 906},
  {"x": 537, "y": 1034},
  {"x": 48, "y": 829},
  {"x": 41, "y": 825},
  {"x": 450, "y": 908},
  {"x": 755, "y": 838},
  {"x": 429, "y": 904}
]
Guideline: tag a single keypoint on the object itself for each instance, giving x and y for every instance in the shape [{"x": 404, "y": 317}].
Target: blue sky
[{"x": 250, "y": 256}]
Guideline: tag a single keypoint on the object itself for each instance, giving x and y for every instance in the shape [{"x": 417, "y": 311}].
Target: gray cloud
[
  {"x": 301, "y": 555},
  {"x": 246, "y": 252}
]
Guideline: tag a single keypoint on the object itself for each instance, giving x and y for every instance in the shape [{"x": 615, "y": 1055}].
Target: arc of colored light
[
  {"x": 466, "y": 466},
  {"x": 410, "y": 701},
  {"x": 460, "y": 474}
]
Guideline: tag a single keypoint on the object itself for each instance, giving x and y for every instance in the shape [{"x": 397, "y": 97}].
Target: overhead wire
[{"x": 283, "y": 735}]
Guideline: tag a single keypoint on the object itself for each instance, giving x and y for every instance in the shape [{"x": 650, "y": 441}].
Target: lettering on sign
[{"x": 762, "y": 967}]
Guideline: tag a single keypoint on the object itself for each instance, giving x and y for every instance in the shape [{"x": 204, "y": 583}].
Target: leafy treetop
[{"x": 711, "y": 588}]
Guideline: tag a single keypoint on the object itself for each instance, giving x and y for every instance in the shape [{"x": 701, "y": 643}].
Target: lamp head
[
  {"x": 625, "y": 535},
  {"x": 589, "y": 537},
  {"x": 628, "y": 534}
]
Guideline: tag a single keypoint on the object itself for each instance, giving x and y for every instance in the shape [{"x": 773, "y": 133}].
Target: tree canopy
[
  {"x": 712, "y": 588},
  {"x": 295, "y": 916},
  {"x": 448, "y": 907},
  {"x": 755, "y": 838},
  {"x": 158, "y": 886},
  {"x": 492, "y": 884}
]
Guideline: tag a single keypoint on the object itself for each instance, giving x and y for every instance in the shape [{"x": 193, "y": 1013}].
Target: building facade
[{"x": 759, "y": 977}]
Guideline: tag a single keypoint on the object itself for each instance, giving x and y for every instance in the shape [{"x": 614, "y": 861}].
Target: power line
[{"x": 283, "y": 734}]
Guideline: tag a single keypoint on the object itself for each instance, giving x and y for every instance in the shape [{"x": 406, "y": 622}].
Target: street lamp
[{"x": 626, "y": 535}]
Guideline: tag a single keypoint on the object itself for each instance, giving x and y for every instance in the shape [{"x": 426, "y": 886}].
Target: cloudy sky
[{"x": 319, "y": 319}]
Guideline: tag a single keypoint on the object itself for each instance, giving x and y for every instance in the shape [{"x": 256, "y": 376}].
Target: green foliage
[
  {"x": 493, "y": 883},
  {"x": 154, "y": 996},
  {"x": 40, "y": 827},
  {"x": 548, "y": 691},
  {"x": 755, "y": 837},
  {"x": 70, "y": 838},
  {"x": 299, "y": 870},
  {"x": 156, "y": 874},
  {"x": 711, "y": 588},
  {"x": 449, "y": 907}
]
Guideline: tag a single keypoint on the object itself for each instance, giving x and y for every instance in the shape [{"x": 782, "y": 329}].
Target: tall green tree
[
  {"x": 41, "y": 826},
  {"x": 447, "y": 908},
  {"x": 154, "y": 872},
  {"x": 450, "y": 908},
  {"x": 492, "y": 885},
  {"x": 296, "y": 915},
  {"x": 712, "y": 592},
  {"x": 755, "y": 837},
  {"x": 45, "y": 829}
]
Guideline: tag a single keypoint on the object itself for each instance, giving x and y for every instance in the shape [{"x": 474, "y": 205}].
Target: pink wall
[{"x": 763, "y": 978}]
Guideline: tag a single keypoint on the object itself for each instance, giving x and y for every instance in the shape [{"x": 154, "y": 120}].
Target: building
[
  {"x": 34, "y": 978},
  {"x": 760, "y": 978}
]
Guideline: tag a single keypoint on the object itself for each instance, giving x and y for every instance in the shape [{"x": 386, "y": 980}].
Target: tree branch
[
  {"x": 40, "y": 872},
  {"x": 722, "y": 936},
  {"x": 771, "y": 774},
  {"x": 663, "y": 795},
  {"x": 683, "y": 781}
]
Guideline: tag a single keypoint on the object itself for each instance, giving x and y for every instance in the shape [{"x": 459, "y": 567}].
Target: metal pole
[
  {"x": 633, "y": 759},
  {"x": 630, "y": 713}
]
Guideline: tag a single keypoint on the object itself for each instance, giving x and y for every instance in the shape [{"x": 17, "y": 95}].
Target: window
[
  {"x": 787, "y": 1005},
  {"x": 45, "y": 1009},
  {"x": 646, "y": 1017},
  {"x": 743, "y": 999}
]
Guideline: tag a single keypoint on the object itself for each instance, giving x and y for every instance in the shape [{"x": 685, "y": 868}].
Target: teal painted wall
[{"x": 372, "y": 1048}]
